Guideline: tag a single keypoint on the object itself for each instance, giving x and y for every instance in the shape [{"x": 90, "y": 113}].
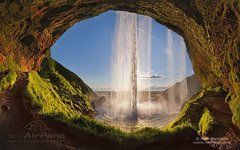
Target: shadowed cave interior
[{"x": 40, "y": 98}]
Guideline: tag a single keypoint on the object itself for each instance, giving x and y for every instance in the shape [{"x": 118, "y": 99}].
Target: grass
[
  {"x": 65, "y": 98},
  {"x": 8, "y": 80},
  {"x": 205, "y": 122},
  {"x": 143, "y": 136},
  {"x": 46, "y": 100},
  {"x": 73, "y": 79},
  {"x": 190, "y": 114},
  {"x": 195, "y": 114},
  {"x": 71, "y": 90},
  {"x": 234, "y": 105}
]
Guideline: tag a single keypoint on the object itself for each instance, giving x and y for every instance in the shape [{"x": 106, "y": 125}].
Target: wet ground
[
  {"x": 157, "y": 121},
  {"x": 154, "y": 113}
]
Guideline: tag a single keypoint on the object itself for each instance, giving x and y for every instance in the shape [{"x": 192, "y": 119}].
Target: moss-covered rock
[
  {"x": 206, "y": 122},
  {"x": 234, "y": 104},
  {"x": 48, "y": 102},
  {"x": 54, "y": 94},
  {"x": 50, "y": 68},
  {"x": 209, "y": 114},
  {"x": 70, "y": 87},
  {"x": 8, "y": 79},
  {"x": 210, "y": 126},
  {"x": 45, "y": 100}
]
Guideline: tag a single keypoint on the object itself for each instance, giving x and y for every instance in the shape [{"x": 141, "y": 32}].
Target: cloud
[{"x": 150, "y": 76}]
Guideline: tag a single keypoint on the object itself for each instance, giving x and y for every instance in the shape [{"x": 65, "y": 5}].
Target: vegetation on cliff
[
  {"x": 47, "y": 102},
  {"x": 48, "y": 99},
  {"x": 143, "y": 136},
  {"x": 69, "y": 87},
  {"x": 234, "y": 104},
  {"x": 58, "y": 94},
  {"x": 8, "y": 80},
  {"x": 207, "y": 113},
  {"x": 45, "y": 99},
  {"x": 206, "y": 122}
]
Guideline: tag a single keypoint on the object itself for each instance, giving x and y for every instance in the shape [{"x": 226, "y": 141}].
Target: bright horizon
[{"x": 86, "y": 50}]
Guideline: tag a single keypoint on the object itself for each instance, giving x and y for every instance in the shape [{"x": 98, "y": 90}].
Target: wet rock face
[{"x": 210, "y": 29}]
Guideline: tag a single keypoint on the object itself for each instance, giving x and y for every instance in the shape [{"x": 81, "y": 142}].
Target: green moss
[
  {"x": 72, "y": 78},
  {"x": 70, "y": 88},
  {"x": 97, "y": 128},
  {"x": 45, "y": 99},
  {"x": 2, "y": 68},
  {"x": 190, "y": 114},
  {"x": 8, "y": 80},
  {"x": 192, "y": 111},
  {"x": 234, "y": 105},
  {"x": 205, "y": 122},
  {"x": 47, "y": 102},
  {"x": 146, "y": 135},
  {"x": 10, "y": 65}
]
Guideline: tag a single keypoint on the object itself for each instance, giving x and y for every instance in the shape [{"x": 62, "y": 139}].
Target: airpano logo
[
  {"x": 38, "y": 130},
  {"x": 36, "y": 125}
]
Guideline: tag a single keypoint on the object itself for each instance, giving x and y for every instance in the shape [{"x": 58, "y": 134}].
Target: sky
[{"x": 86, "y": 49}]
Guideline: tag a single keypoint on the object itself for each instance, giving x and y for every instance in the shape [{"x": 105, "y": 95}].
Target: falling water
[
  {"x": 176, "y": 96},
  {"x": 124, "y": 78},
  {"x": 130, "y": 98},
  {"x": 144, "y": 55},
  {"x": 183, "y": 73},
  {"x": 144, "y": 65},
  {"x": 133, "y": 77},
  {"x": 131, "y": 57},
  {"x": 171, "y": 69}
]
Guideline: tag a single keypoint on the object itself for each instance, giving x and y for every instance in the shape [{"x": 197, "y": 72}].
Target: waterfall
[
  {"x": 133, "y": 77},
  {"x": 144, "y": 63},
  {"x": 131, "y": 57},
  {"x": 144, "y": 54},
  {"x": 171, "y": 106},
  {"x": 130, "y": 103},
  {"x": 183, "y": 72},
  {"x": 131, "y": 69},
  {"x": 176, "y": 96},
  {"x": 124, "y": 67}
]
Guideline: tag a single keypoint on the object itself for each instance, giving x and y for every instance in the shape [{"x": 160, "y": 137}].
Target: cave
[
  {"x": 165, "y": 78},
  {"x": 33, "y": 85}
]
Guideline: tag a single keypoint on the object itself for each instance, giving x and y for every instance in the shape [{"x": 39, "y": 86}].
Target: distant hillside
[
  {"x": 71, "y": 90},
  {"x": 182, "y": 91}
]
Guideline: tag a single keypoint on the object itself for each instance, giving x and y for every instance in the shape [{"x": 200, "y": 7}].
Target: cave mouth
[{"x": 163, "y": 71}]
